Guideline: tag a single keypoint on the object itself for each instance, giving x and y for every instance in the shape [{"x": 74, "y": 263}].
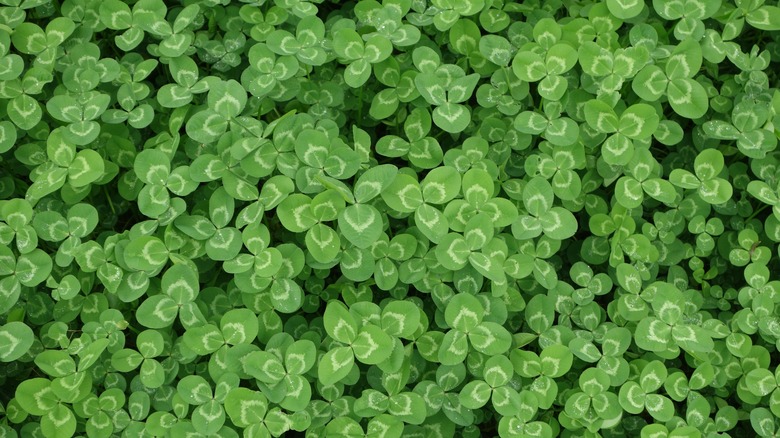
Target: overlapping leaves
[{"x": 390, "y": 218}]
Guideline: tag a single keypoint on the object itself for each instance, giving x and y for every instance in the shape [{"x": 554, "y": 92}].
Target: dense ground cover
[{"x": 410, "y": 218}]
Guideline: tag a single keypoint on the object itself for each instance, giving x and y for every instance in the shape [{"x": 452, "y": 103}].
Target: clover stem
[
  {"x": 110, "y": 204},
  {"x": 508, "y": 82},
  {"x": 755, "y": 213},
  {"x": 360, "y": 104}
]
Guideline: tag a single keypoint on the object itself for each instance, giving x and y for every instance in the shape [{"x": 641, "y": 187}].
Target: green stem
[
  {"x": 110, "y": 204},
  {"x": 755, "y": 213},
  {"x": 360, "y": 104}
]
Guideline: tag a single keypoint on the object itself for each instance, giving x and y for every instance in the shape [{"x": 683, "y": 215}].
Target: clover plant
[{"x": 389, "y": 218}]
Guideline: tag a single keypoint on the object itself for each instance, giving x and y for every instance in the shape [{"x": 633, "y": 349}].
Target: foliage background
[{"x": 407, "y": 218}]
